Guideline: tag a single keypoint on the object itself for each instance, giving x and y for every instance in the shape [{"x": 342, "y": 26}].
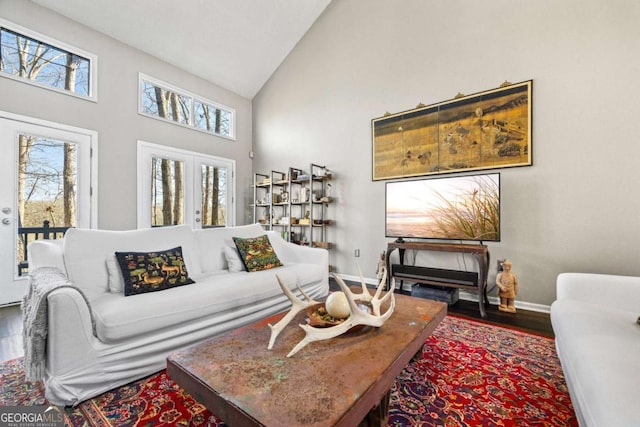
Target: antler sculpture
[
  {"x": 297, "y": 305},
  {"x": 356, "y": 317}
]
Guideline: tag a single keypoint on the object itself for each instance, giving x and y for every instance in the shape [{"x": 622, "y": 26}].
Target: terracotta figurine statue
[
  {"x": 381, "y": 267},
  {"x": 508, "y": 284}
]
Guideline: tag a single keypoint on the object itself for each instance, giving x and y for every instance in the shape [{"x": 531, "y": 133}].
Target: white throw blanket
[{"x": 42, "y": 281}]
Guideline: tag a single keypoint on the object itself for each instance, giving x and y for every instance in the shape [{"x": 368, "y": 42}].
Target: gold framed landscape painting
[{"x": 486, "y": 130}]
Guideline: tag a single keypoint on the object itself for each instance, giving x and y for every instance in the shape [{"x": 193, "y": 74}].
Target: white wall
[
  {"x": 115, "y": 115},
  {"x": 574, "y": 210}
]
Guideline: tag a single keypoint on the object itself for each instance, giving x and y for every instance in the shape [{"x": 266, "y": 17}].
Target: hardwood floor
[
  {"x": 527, "y": 321},
  {"x": 523, "y": 320}
]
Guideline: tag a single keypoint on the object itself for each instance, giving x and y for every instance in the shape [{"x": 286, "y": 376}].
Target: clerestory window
[
  {"x": 39, "y": 60},
  {"x": 163, "y": 101}
]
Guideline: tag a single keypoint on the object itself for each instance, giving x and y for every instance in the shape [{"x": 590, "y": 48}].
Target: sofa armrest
[
  {"x": 290, "y": 252},
  {"x": 46, "y": 253},
  {"x": 600, "y": 289},
  {"x": 70, "y": 337}
]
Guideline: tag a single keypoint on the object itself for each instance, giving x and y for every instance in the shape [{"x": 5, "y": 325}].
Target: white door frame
[
  {"x": 192, "y": 161},
  {"x": 13, "y": 286}
]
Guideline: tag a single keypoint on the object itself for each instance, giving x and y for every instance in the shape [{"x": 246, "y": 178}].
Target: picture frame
[{"x": 486, "y": 130}]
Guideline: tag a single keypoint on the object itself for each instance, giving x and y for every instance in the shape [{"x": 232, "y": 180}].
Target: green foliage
[{"x": 475, "y": 216}]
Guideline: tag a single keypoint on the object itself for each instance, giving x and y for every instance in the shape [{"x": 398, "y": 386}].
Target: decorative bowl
[{"x": 319, "y": 318}]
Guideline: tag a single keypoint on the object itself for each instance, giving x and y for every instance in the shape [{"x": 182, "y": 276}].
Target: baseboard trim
[
  {"x": 464, "y": 295},
  {"x": 524, "y": 305}
]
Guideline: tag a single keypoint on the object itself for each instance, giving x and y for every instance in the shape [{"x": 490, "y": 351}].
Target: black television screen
[{"x": 447, "y": 208}]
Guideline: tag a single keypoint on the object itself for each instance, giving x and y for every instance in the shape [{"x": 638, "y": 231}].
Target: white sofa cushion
[
  {"x": 211, "y": 243},
  {"x": 86, "y": 252},
  {"x": 233, "y": 259},
  {"x": 116, "y": 280},
  {"x": 599, "y": 347},
  {"x": 120, "y": 318}
]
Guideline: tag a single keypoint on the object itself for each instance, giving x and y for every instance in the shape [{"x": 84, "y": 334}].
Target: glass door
[
  {"x": 215, "y": 195},
  {"x": 182, "y": 187},
  {"x": 47, "y": 176}
]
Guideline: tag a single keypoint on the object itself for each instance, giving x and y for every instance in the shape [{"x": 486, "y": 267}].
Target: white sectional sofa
[
  {"x": 598, "y": 342},
  {"x": 134, "y": 334}
]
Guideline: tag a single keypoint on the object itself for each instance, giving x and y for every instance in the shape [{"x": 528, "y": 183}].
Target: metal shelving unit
[{"x": 296, "y": 203}]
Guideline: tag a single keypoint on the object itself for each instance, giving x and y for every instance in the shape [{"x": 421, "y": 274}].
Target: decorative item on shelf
[
  {"x": 507, "y": 283},
  {"x": 306, "y": 220},
  {"x": 327, "y": 222},
  {"x": 318, "y": 222},
  {"x": 284, "y": 196},
  {"x": 323, "y": 245},
  {"x": 262, "y": 221},
  {"x": 303, "y": 195},
  {"x": 276, "y": 198},
  {"x": 266, "y": 181},
  {"x": 357, "y": 316},
  {"x": 326, "y": 199},
  {"x": 285, "y": 220}
]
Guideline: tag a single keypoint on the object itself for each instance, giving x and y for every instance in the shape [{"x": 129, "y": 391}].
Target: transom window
[
  {"x": 166, "y": 102},
  {"x": 39, "y": 60}
]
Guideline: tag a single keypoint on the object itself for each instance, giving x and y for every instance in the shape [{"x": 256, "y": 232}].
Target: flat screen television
[{"x": 444, "y": 208}]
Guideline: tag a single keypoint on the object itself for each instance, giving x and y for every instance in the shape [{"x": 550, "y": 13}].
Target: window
[
  {"x": 184, "y": 187},
  {"x": 163, "y": 101},
  {"x": 36, "y": 59}
]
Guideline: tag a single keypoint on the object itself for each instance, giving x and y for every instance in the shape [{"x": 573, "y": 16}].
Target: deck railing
[{"x": 29, "y": 234}]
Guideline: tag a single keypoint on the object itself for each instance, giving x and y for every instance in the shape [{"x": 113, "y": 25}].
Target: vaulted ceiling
[{"x": 236, "y": 44}]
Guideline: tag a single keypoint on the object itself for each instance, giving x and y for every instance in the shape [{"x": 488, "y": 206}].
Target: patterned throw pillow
[
  {"x": 257, "y": 253},
  {"x": 152, "y": 271}
]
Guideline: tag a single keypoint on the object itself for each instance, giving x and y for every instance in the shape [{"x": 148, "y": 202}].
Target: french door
[
  {"x": 184, "y": 187},
  {"x": 47, "y": 176}
]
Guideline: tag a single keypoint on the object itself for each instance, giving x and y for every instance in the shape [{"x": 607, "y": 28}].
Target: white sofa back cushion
[
  {"x": 86, "y": 252},
  {"x": 211, "y": 243}
]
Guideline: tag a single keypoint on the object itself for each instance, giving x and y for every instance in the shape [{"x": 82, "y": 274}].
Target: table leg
[{"x": 379, "y": 414}]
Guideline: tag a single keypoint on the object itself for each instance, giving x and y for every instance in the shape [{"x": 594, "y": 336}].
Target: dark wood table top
[{"x": 327, "y": 383}]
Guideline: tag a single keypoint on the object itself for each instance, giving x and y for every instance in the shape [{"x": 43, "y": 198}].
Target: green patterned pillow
[
  {"x": 257, "y": 253},
  {"x": 152, "y": 271}
]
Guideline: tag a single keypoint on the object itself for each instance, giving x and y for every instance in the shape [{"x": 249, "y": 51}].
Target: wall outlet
[{"x": 356, "y": 253}]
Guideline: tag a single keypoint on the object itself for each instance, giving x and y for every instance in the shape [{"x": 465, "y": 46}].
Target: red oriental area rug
[{"x": 468, "y": 374}]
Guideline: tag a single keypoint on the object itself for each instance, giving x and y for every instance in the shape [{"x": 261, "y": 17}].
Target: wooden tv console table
[{"x": 479, "y": 251}]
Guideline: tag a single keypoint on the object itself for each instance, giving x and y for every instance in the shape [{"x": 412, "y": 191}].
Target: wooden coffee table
[{"x": 342, "y": 381}]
